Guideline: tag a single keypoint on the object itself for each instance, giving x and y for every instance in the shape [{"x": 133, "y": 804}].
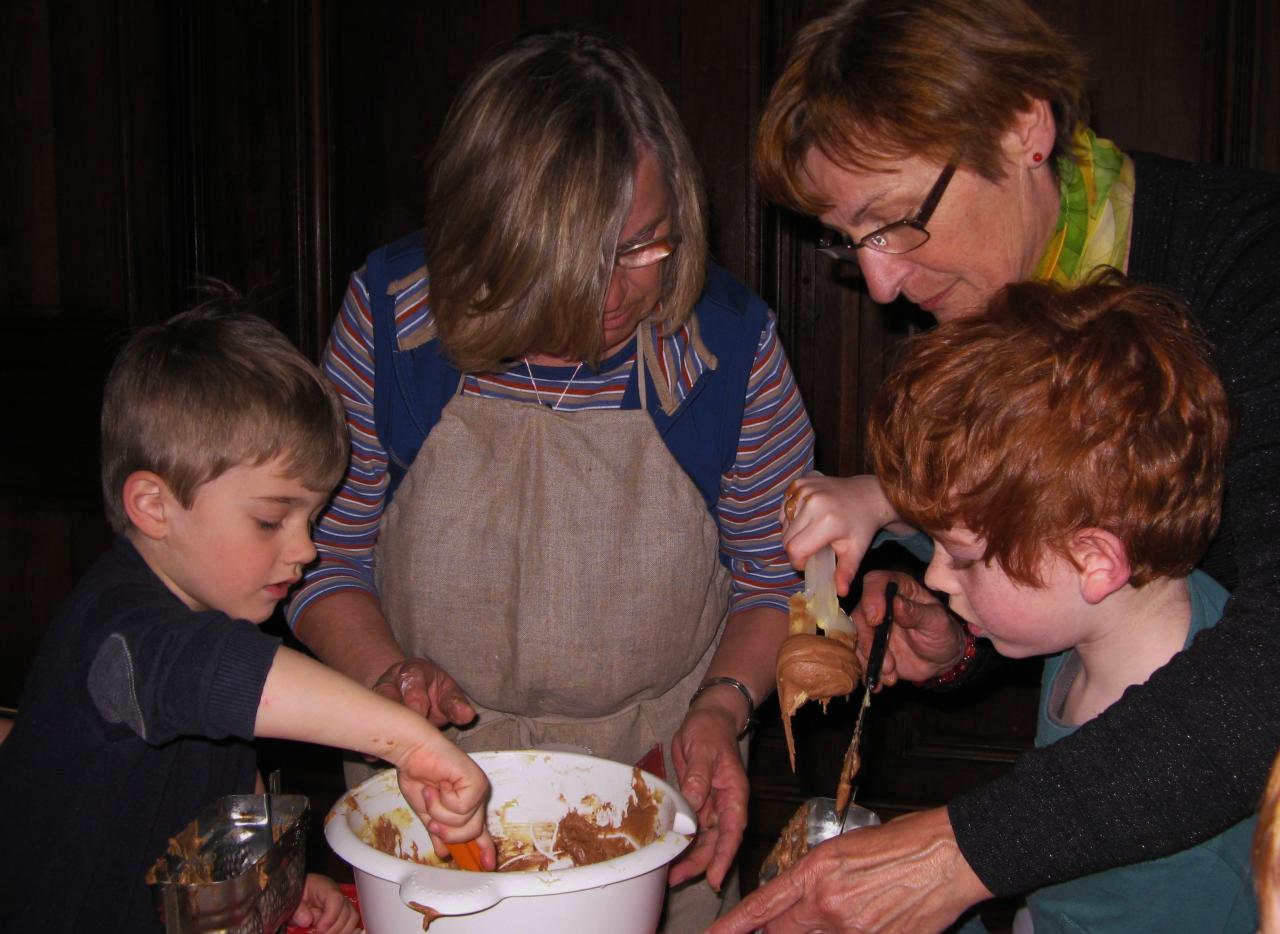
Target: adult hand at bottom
[
  {"x": 904, "y": 877},
  {"x": 425, "y": 687}
]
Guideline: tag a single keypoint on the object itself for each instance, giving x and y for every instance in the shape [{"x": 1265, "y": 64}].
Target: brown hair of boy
[
  {"x": 1055, "y": 411},
  {"x": 211, "y": 389}
]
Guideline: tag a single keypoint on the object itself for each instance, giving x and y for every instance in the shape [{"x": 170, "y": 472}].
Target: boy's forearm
[
  {"x": 307, "y": 701},
  {"x": 348, "y": 632}
]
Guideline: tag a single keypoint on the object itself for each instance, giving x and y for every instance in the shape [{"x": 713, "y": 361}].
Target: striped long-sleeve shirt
[{"x": 775, "y": 446}]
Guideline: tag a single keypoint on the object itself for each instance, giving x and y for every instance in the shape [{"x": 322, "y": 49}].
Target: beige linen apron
[{"x": 564, "y": 569}]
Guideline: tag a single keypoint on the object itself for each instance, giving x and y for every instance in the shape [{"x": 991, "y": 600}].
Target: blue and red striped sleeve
[
  {"x": 347, "y": 530},
  {"x": 775, "y": 447}
]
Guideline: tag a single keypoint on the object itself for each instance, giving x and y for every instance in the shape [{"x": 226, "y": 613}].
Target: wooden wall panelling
[
  {"x": 1186, "y": 79},
  {"x": 313, "y": 158},
  {"x": 718, "y": 99},
  {"x": 147, "y": 229},
  {"x": 84, "y": 247},
  {"x": 393, "y": 71},
  {"x": 83, "y": 231},
  {"x": 45, "y": 549},
  {"x": 1246, "y": 130},
  {"x": 28, "y": 228},
  {"x": 241, "y": 110}
]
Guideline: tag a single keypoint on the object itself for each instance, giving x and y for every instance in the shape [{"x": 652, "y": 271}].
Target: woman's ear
[
  {"x": 1029, "y": 141},
  {"x": 1103, "y": 562},
  {"x": 146, "y": 502}
]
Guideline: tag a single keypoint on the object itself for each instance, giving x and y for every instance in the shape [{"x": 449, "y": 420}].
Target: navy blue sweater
[{"x": 136, "y": 714}]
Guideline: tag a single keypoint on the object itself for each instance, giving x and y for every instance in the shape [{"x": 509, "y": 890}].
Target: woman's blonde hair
[
  {"x": 885, "y": 79},
  {"x": 529, "y": 185}
]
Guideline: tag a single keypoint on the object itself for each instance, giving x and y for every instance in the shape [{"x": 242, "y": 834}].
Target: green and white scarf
[{"x": 1096, "y": 211}]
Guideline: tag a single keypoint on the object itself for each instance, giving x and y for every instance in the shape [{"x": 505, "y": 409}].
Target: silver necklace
[{"x": 563, "y": 392}]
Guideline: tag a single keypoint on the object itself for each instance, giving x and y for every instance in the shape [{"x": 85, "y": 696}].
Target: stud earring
[{"x": 1037, "y": 157}]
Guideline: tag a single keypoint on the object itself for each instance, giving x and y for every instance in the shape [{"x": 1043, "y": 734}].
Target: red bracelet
[{"x": 956, "y": 671}]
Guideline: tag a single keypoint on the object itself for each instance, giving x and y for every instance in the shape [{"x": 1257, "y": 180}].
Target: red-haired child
[{"x": 1066, "y": 453}]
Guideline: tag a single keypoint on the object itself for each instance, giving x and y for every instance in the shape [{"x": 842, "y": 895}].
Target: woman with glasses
[
  {"x": 571, "y": 435},
  {"x": 944, "y": 143}
]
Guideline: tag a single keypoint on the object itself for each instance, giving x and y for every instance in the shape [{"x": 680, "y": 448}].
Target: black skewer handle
[{"x": 881, "y": 640}]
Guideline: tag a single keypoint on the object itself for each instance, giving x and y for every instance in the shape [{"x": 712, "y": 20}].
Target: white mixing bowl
[{"x": 623, "y": 895}]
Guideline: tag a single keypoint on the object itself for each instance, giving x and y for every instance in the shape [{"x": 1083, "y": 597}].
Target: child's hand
[
  {"x": 449, "y": 793},
  {"x": 843, "y": 512},
  {"x": 324, "y": 908}
]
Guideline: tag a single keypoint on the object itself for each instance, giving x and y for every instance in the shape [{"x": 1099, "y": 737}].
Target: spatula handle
[{"x": 466, "y": 855}]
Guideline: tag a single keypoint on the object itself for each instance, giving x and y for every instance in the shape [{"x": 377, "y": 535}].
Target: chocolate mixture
[
  {"x": 812, "y": 667},
  {"x": 792, "y": 843},
  {"x": 581, "y": 838}
]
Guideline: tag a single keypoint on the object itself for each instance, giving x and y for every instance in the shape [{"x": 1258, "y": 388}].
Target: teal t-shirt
[{"x": 1206, "y": 889}]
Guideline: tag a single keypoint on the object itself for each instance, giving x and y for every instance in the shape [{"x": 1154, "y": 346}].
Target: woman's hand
[
  {"x": 425, "y": 687},
  {"x": 843, "y": 512},
  {"x": 926, "y": 639},
  {"x": 324, "y": 908},
  {"x": 712, "y": 778},
  {"x": 905, "y": 877}
]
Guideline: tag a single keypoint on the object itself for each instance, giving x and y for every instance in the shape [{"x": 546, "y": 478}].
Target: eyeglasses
[
  {"x": 647, "y": 253},
  {"x": 899, "y": 237}
]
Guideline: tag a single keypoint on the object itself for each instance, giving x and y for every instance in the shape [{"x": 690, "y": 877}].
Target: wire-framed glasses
[
  {"x": 644, "y": 254},
  {"x": 899, "y": 237}
]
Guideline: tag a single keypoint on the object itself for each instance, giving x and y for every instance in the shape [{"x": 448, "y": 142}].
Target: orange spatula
[{"x": 466, "y": 855}]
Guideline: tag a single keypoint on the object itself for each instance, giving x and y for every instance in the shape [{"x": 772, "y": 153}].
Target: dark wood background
[{"x": 273, "y": 143}]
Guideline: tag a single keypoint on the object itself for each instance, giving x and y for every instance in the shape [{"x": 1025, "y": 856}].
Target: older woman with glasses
[
  {"x": 571, "y": 435},
  {"x": 945, "y": 143}
]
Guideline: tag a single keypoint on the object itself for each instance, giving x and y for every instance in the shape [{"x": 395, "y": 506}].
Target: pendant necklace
[{"x": 563, "y": 392}]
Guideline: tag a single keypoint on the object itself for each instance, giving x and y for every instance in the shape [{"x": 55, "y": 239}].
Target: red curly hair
[{"x": 1059, "y": 410}]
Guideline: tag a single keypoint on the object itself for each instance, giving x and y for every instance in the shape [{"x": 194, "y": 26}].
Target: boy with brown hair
[
  {"x": 220, "y": 444},
  {"x": 1066, "y": 454}
]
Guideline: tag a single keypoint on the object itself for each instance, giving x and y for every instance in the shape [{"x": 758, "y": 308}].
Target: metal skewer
[{"x": 871, "y": 680}]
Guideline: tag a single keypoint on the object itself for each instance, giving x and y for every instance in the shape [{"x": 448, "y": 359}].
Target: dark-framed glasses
[
  {"x": 644, "y": 254},
  {"x": 899, "y": 237}
]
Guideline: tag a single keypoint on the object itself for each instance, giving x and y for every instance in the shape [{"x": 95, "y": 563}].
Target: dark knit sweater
[
  {"x": 136, "y": 714},
  {"x": 1183, "y": 757}
]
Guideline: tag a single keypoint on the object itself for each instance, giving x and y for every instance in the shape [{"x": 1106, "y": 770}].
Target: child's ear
[
  {"x": 1103, "y": 562},
  {"x": 147, "y": 502}
]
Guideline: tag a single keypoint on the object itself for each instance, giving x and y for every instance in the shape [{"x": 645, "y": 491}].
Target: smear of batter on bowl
[{"x": 588, "y": 834}]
